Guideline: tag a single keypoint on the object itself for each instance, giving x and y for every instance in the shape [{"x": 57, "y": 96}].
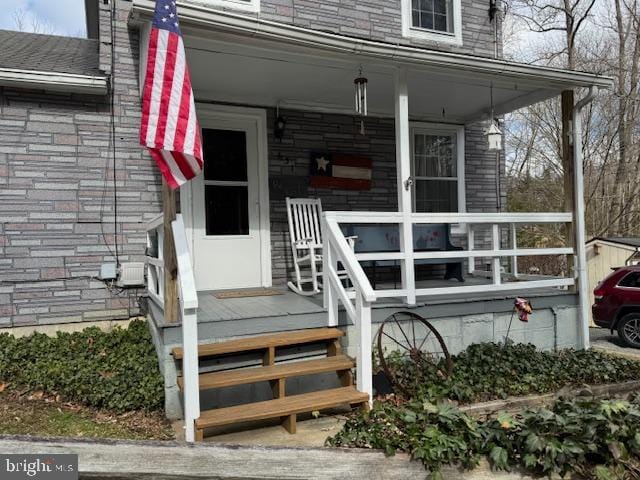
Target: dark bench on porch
[{"x": 372, "y": 238}]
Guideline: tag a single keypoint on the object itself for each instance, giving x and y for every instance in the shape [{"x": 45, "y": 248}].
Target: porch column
[
  {"x": 404, "y": 182},
  {"x": 169, "y": 255},
  {"x": 579, "y": 215}
]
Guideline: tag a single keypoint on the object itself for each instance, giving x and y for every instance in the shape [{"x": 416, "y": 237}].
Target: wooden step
[
  {"x": 281, "y": 407},
  {"x": 297, "y": 337},
  {"x": 229, "y": 378}
]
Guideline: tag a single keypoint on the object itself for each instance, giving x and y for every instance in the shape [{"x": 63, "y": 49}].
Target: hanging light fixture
[
  {"x": 361, "y": 98},
  {"x": 280, "y": 124},
  {"x": 493, "y": 133}
]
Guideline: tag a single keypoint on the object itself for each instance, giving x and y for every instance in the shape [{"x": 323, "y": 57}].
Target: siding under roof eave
[
  {"x": 203, "y": 18},
  {"x": 52, "y": 81}
]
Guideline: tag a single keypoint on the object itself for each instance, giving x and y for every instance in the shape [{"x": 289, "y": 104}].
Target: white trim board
[
  {"x": 259, "y": 116},
  {"x": 244, "y": 5},
  {"x": 53, "y": 81}
]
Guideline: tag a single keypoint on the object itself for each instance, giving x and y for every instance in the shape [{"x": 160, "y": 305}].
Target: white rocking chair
[{"x": 305, "y": 230}]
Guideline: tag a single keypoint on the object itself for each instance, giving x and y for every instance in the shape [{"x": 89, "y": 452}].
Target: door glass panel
[
  {"x": 435, "y": 168},
  {"x": 227, "y": 211},
  {"x": 435, "y": 155},
  {"x": 225, "y": 155},
  {"x": 436, "y": 196},
  {"x": 226, "y": 195}
]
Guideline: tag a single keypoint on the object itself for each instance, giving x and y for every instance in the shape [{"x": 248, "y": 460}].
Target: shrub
[
  {"x": 117, "y": 370},
  {"x": 488, "y": 371}
]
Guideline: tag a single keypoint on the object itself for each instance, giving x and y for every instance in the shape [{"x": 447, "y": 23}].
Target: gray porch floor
[
  {"x": 213, "y": 309},
  {"x": 220, "y": 318}
]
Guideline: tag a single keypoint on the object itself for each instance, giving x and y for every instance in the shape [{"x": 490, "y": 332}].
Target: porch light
[
  {"x": 494, "y": 137},
  {"x": 493, "y": 133},
  {"x": 361, "y": 98},
  {"x": 280, "y": 125},
  {"x": 278, "y": 129}
]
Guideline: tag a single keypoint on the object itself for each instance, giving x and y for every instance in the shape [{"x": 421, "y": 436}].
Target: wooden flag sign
[{"x": 341, "y": 171}]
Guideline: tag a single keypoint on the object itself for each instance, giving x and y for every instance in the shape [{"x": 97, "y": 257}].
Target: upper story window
[
  {"x": 245, "y": 5},
  {"x": 434, "y": 20}
]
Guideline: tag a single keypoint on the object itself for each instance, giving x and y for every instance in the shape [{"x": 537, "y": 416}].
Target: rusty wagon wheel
[{"x": 410, "y": 338}]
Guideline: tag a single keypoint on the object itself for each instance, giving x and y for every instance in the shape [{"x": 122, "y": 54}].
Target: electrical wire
[
  {"x": 113, "y": 130},
  {"x": 111, "y": 147}
]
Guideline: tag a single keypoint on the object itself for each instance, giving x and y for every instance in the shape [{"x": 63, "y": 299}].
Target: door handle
[{"x": 408, "y": 183}]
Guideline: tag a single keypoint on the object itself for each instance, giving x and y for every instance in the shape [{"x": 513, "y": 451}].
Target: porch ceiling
[
  {"x": 244, "y": 60},
  {"x": 251, "y": 75}
]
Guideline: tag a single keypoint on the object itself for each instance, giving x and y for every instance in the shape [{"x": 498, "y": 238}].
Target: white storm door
[{"x": 227, "y": 239}]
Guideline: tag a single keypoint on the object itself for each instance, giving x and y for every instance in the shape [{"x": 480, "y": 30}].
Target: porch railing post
[
  {"x": 495, "y": 245},
  {"x": 161, "y": 258},
  {"x": 190, "y": 372},
  {"x": 404, "y": 182},
  {"x": 471, "y": 240},
  {"x": 188, "y": 303},
  {"x": 364, "y": 362},
  {"x": 514, "y": 246},
  {"x": 330, "y": 296}
]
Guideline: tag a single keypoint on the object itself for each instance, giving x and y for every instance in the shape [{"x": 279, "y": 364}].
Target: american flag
[{"x": 169, "y": 127}]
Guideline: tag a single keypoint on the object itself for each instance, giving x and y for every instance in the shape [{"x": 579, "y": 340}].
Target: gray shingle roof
[
  {"x": 630, "y": 241},
  {"x": 48, "y": 53}
]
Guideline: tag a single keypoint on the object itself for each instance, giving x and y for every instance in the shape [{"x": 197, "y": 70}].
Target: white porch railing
[
  {"x": 357, "y": 300},
  {"x": 155, "y": 260},
  {"x": 188, "y": 308},
  {"x": 336, "y": 249}
]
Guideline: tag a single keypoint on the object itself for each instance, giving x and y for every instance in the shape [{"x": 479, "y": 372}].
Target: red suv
[{"x": 617, "y": 305}]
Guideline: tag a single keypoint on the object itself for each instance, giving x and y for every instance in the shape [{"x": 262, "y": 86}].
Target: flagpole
[{"x": 169, "y": 252}]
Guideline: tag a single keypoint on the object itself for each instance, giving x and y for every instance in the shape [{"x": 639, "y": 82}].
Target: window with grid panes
[
  {"x": 435, "y": 165},
  {"x": 432, "y": 15}
]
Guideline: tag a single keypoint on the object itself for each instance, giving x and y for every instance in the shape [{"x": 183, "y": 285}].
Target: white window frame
[
  {"x": 446, "y": 129},
  {"x": 250, "y": 6},
  {"x": 409, "y": 31}
]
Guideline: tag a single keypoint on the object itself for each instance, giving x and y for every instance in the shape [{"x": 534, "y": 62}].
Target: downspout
[{"x": 579, "y": 219}]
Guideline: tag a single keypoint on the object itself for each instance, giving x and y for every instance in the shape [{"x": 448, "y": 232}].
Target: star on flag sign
[
  {"x": 341, "y": 171},
  {"x": 322, "y": 163}
]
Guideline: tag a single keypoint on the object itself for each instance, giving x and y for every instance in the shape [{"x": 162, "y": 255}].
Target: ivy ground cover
[
  {"x": 596, "y": 439},
  {"x": 116, "y": 370},
  {"x": 488, "y": 371}
]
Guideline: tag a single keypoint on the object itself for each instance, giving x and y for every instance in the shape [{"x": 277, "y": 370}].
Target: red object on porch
[
  {"x": 335, "y": 170},
  {"x": 169, "y": 127},
  {"x": 524, "y": 308}
]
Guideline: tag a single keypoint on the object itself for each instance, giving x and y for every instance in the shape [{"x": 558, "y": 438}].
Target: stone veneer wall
[
  {"x": 56, "y": 195},
  {"x": 307, "y": 132},
  {"x": 56, "y": 213},
  {"x": 378, "y": 20}
]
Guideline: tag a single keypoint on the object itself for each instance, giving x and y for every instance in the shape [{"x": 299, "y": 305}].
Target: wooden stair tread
[
  {"x": 280, "y": 407},
  {"x": 296, "y": 337},
  {"x": 272, "y": 372}
]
